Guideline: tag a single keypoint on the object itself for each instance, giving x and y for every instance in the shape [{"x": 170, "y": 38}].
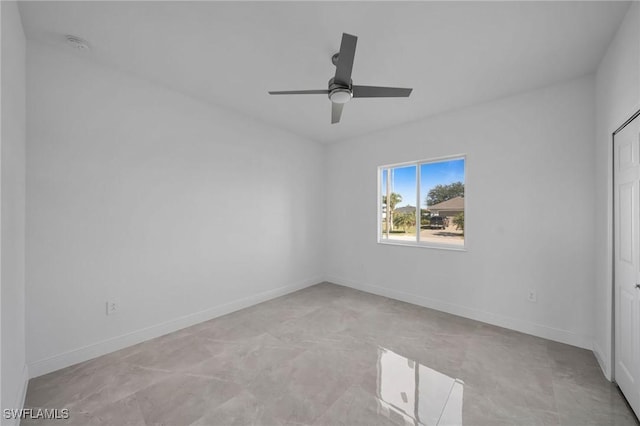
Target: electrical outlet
[
  {"x": 532, "y": 296},
  {"x": 112, "y": 307}
]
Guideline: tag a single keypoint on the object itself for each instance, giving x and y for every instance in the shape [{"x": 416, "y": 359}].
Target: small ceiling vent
[{"x": 77, "y": 42}]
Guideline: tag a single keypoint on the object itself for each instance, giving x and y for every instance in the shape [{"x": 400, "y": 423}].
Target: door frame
[{"x": 612, "y": 241}]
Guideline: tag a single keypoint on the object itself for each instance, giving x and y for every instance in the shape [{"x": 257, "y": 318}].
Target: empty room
[{"x": 320, "y": 213}]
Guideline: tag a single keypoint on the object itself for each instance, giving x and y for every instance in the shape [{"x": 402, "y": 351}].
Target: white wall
[
  {"x": 12, "y": 229},
  {"x": 177, "y": 210},
  {"x": 531, "y": 155},
  {"x": 618, "y": 97}
]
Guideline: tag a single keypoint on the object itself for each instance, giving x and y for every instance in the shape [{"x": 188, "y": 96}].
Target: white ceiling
[{"x": 453, "y": 54}]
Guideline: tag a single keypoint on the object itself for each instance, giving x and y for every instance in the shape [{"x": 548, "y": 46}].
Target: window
[{"x": 426, "y": 203}]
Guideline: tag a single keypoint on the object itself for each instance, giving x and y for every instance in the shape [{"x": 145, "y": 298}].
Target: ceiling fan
[{"x": 341, "y": 88}]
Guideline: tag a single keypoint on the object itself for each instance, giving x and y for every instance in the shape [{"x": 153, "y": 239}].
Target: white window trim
[{"x": 418, "y": 243}]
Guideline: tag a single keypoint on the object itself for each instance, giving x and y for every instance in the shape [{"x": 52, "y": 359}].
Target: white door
[{"x": 626, "y": 169}]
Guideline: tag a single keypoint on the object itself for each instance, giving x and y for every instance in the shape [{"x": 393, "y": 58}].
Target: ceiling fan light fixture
[{"x": 340, "y": 96}]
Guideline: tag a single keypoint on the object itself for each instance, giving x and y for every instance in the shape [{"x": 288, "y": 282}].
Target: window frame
[{"x": 417, "y": 242}]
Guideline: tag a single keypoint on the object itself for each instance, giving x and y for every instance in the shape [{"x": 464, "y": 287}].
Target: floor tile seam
[
  {"x": 209, "y": 377},
  {"x": 471, "y": 362},
  {"x": 129, "y": 394},
  {"x": 350, "y": 387},
  {"x": 247, "y": 386},
  {"x": 219, "y": 406},
  {"x": 284, "y": 343},
  {"x": 153, "y": 369},
  {"x": 604, "y": 384},
  {"x": 72, "y": 400},
  {"x": 144, "y": 418},
  {"x": 219, "y": 340},
  {"x": 137, "y": 403},
  {"x": 91, "y": 414},
  {"x": 496, "y": 387},
  {"x": 327, "y": 407},
  {"x": 590, "y": 371}
]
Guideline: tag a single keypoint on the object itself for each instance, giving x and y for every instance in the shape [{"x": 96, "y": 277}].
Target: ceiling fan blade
[
  {"x": 301, "y": 92},
  {"x": 380, "y": 92},
  {"x": 345, "y": 59},
  {"x": 336, "y": 112}
]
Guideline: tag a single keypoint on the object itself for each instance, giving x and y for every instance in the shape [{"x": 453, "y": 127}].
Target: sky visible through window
[{"x": 403, "y": 179}]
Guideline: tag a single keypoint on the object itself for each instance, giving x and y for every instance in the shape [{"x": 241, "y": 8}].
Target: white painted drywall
[
  {"x": 177, "y": 210},
  {"x": 12, "y": 229},
  {"x": 618, "y": 97},
  {"x": 530, "y": 219}
]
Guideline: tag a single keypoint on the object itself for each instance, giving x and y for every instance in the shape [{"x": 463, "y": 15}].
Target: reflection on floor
[
  {"x": 330, "y": 355},
  {"x": 417, "y": 394}
]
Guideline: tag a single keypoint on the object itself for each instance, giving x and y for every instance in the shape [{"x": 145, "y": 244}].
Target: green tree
[
  {"x": 395, "y": 198},
  {"x": 458, "y": 221},
  {"x": 425, "y": 216},
  {"x": 440, "y": 193},
  {"x": 405, "y": 220}
]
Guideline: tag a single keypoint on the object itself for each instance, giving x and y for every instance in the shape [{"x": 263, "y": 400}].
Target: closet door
[{"x": 627, "y": 261}]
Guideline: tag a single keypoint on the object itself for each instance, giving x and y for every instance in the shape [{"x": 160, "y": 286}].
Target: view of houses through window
[{"x": 437, "y": 188}]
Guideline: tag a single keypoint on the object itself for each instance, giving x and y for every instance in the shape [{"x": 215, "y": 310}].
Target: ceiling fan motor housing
[{"x": 339, "y": 93}]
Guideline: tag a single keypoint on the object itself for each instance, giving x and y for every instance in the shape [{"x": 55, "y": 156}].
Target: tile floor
[{"x": 329, "y": 355}]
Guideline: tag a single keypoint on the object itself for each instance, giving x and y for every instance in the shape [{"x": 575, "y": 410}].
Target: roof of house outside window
[{"x": 456, "y": 203}]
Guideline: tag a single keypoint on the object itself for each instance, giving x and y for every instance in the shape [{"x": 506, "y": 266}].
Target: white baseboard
[
  {"x": 94, "y": 350},
  {"x": 602, "y": 360},
  {"x": 20, "y": 397},
  {"x": 558, "y": 335}
]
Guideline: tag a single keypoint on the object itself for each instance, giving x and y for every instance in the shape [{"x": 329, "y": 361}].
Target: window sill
[{"x": 449, "y": 247}]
